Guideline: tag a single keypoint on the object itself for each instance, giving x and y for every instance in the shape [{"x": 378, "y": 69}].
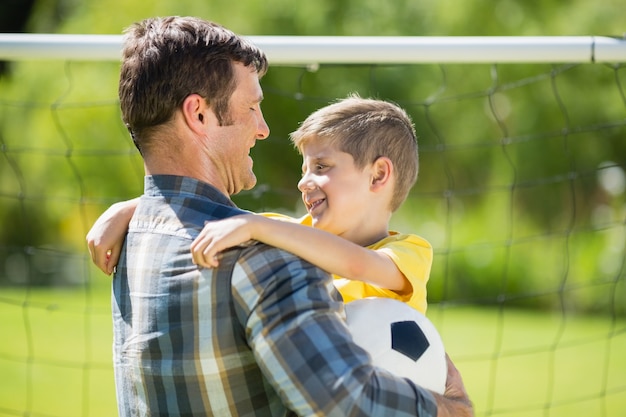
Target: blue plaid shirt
[{"x": 262, "y": 335}]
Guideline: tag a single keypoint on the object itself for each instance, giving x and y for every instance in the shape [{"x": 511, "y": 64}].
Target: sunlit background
[{"x": 521, "y": 192}]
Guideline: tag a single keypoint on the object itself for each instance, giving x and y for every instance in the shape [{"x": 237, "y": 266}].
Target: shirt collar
[{"x": 167, "y": 185}]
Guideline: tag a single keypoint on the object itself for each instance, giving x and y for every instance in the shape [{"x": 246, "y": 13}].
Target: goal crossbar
[{"x": 311, "y": 50}]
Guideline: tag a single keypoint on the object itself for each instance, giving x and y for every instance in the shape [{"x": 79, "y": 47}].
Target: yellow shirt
[{"x": 412, "y": 255}]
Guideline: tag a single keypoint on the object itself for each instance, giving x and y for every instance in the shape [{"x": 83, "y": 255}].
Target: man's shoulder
[
  {"x": 179, "y": 212},
  {"x": 262, "y": 275},
  {"x": 262, "y": 262},
  {"x": 255, "y": 252}
]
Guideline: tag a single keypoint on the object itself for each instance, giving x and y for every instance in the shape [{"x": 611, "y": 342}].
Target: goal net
[{"x": 521, "y": 191}]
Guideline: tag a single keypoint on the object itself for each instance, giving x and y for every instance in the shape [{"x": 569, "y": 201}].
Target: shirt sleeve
[
  {"x": 295, "y": 326},
  {"x": 414, "y": 258}
]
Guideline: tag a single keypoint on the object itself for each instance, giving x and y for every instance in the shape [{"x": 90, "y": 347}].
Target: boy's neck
[{"x": 368, "y": 234}]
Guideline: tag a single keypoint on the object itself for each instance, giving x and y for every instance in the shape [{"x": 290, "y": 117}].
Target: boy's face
[{"x": 334, "y": 191}]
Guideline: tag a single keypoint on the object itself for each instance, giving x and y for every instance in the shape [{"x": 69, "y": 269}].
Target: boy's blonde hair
[{"x": 367, "y": 129}]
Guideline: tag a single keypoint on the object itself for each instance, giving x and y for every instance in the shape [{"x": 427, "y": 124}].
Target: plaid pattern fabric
[{"x": 262, "y": 335}]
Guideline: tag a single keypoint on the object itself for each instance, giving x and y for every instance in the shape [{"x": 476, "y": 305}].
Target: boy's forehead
[
  {"x": 317, "y": 144},
  {"x": 318, "y": 152},
  {"x": 313, "y": 153}
]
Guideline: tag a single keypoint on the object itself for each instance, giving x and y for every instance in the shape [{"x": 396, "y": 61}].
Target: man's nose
[{"x": 263, "y": 129}]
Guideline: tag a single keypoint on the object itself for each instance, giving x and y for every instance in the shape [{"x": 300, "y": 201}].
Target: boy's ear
[{"x": 381, "y": 172}]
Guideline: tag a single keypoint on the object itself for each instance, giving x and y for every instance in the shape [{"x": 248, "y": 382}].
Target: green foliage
[
  {"x": 511, "y": 156},
  {"x": 346, "y": 17}
]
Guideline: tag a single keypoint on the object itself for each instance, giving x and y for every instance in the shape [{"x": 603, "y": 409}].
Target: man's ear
[
  {"x": 196, "y": 113},
  {"x": 382, "y": 169}
]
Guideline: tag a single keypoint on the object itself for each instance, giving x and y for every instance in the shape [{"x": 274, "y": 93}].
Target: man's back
[
  {"x": 252, "y": 337},
  {"x": 173, "y": 356}
]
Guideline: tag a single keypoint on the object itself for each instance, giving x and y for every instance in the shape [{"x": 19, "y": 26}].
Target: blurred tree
[
  {"x": 14, "y": 14},
  {"x": 13, "y": 17},
  {"x": 508, "y": 152}
]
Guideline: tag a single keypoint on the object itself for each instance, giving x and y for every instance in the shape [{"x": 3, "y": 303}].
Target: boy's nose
[{"x": 305, "y": 184}]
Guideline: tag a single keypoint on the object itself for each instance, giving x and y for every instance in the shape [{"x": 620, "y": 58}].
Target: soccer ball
[{"x": 399, "y": 339}]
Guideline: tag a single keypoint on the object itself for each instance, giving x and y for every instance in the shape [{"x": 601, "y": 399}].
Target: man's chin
[{"x": 250, "y": 183}]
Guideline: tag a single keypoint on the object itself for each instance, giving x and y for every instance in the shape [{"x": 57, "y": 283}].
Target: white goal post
[{"x": 311, "y": 50}]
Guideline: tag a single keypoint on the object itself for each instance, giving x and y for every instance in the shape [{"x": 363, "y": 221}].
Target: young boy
[{"x": 359, "y": 162}]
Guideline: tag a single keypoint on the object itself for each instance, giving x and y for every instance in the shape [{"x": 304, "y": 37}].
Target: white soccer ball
[{"x": 399, "y": 339}]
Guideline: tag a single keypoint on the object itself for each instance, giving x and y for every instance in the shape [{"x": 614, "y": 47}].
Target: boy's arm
[
  {"x": 106, "y": 236},
  {"x": 331, "y": 253}
]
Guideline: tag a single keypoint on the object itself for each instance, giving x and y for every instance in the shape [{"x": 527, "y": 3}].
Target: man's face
[
  {"x": 333, "y": 189},
  {"x": 233, "y": 142}
]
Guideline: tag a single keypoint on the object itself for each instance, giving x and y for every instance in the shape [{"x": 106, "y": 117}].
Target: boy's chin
[{"x": 319, "y": 222}]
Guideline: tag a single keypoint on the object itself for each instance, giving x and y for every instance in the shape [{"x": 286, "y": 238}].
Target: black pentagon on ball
[{"x": 408, "y": 339}]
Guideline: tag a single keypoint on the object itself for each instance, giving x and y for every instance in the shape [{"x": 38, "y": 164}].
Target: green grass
[
  {"x": 55, "y": 358},
  {"x": 523, "y": 363}
]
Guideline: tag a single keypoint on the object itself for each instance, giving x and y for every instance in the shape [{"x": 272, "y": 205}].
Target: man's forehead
[{"x": 248, "y": 84}]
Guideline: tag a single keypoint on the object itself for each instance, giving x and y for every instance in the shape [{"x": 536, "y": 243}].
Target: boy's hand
[
  {"x": 220, "y": 235},
  {"x": 106, "y": 237}
]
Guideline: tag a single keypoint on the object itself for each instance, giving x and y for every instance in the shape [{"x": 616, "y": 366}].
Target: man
[{"x": 263, "y": 334}]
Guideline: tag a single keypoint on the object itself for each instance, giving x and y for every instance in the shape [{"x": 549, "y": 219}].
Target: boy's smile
[{"x": 312, "y": 204}]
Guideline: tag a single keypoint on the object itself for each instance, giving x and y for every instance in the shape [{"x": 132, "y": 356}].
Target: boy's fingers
[
  {"x": 210, "y": 256},
  {"x": 194, "y": 254},
  {"x": 205, "y": 261},
  {"x": 198, "y": 258},
  {"x": 99, "y": 259},
  {"x": 203, "y": 258},
  {"x": 105, "y": 264},
  {"x": 113, "y": 257},
  {"x": 104, "y": 260},
  {"x": 92, "y": 250}
]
